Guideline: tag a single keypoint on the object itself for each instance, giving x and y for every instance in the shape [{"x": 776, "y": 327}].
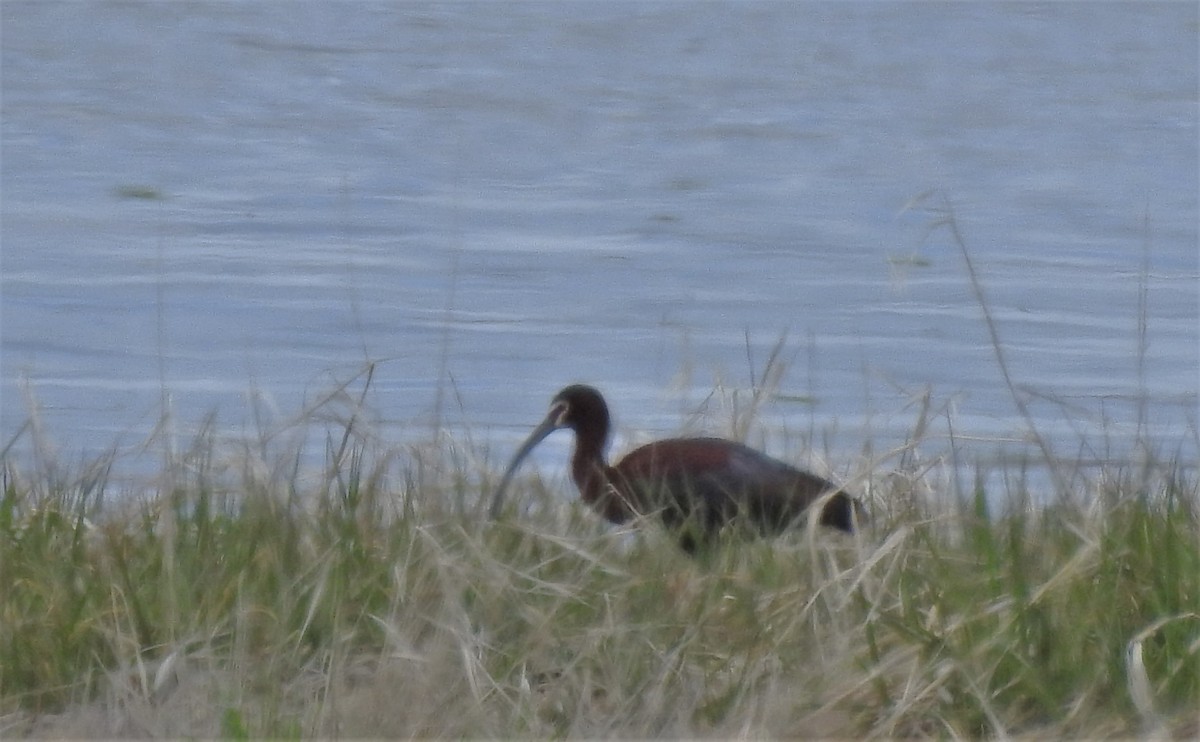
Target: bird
[{"x": 696, "y": 486}]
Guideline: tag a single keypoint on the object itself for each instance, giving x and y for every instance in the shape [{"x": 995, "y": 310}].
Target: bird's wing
[{"x": 714, "y": 480}]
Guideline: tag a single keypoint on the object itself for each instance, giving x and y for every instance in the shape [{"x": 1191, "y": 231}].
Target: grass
[
  {"x": 246, "y": 601},
  {"x": 242, "y": 597}
]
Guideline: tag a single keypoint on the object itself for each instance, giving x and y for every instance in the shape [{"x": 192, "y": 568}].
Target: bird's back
[{"x": 709, "y": 482}]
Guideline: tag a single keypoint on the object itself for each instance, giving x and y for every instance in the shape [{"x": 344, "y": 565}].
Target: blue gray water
[{"x": 208, "y": 202}]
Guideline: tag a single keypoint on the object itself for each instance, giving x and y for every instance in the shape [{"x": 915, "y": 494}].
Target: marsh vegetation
[{"x": 243, "y": 597}]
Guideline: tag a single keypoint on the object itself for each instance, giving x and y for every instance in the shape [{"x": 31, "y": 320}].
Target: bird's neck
[{"x": 598, "y": 484}]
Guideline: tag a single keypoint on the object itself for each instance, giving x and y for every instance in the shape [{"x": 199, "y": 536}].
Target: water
[{"x": 514, "y": 197}]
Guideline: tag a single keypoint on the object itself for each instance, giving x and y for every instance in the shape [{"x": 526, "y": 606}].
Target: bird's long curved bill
[{"x": 545, "y": 428}]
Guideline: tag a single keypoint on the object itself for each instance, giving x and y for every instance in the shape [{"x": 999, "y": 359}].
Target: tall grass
[
  {"x": 248, "y": 600},
  {"x": 241, "y": 596}
]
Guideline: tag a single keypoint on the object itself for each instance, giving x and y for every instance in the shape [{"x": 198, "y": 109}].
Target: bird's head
[{"x": 578, "y": 407}]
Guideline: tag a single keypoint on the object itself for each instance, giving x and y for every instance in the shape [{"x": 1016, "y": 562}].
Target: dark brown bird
[{"x": 696, "y": 485}]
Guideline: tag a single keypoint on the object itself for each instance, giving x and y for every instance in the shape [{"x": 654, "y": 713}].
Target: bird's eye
[{"x": 560, "y": 412}]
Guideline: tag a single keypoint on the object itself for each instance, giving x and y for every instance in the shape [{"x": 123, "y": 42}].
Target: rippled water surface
[{"x": 204, "y": 199}]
